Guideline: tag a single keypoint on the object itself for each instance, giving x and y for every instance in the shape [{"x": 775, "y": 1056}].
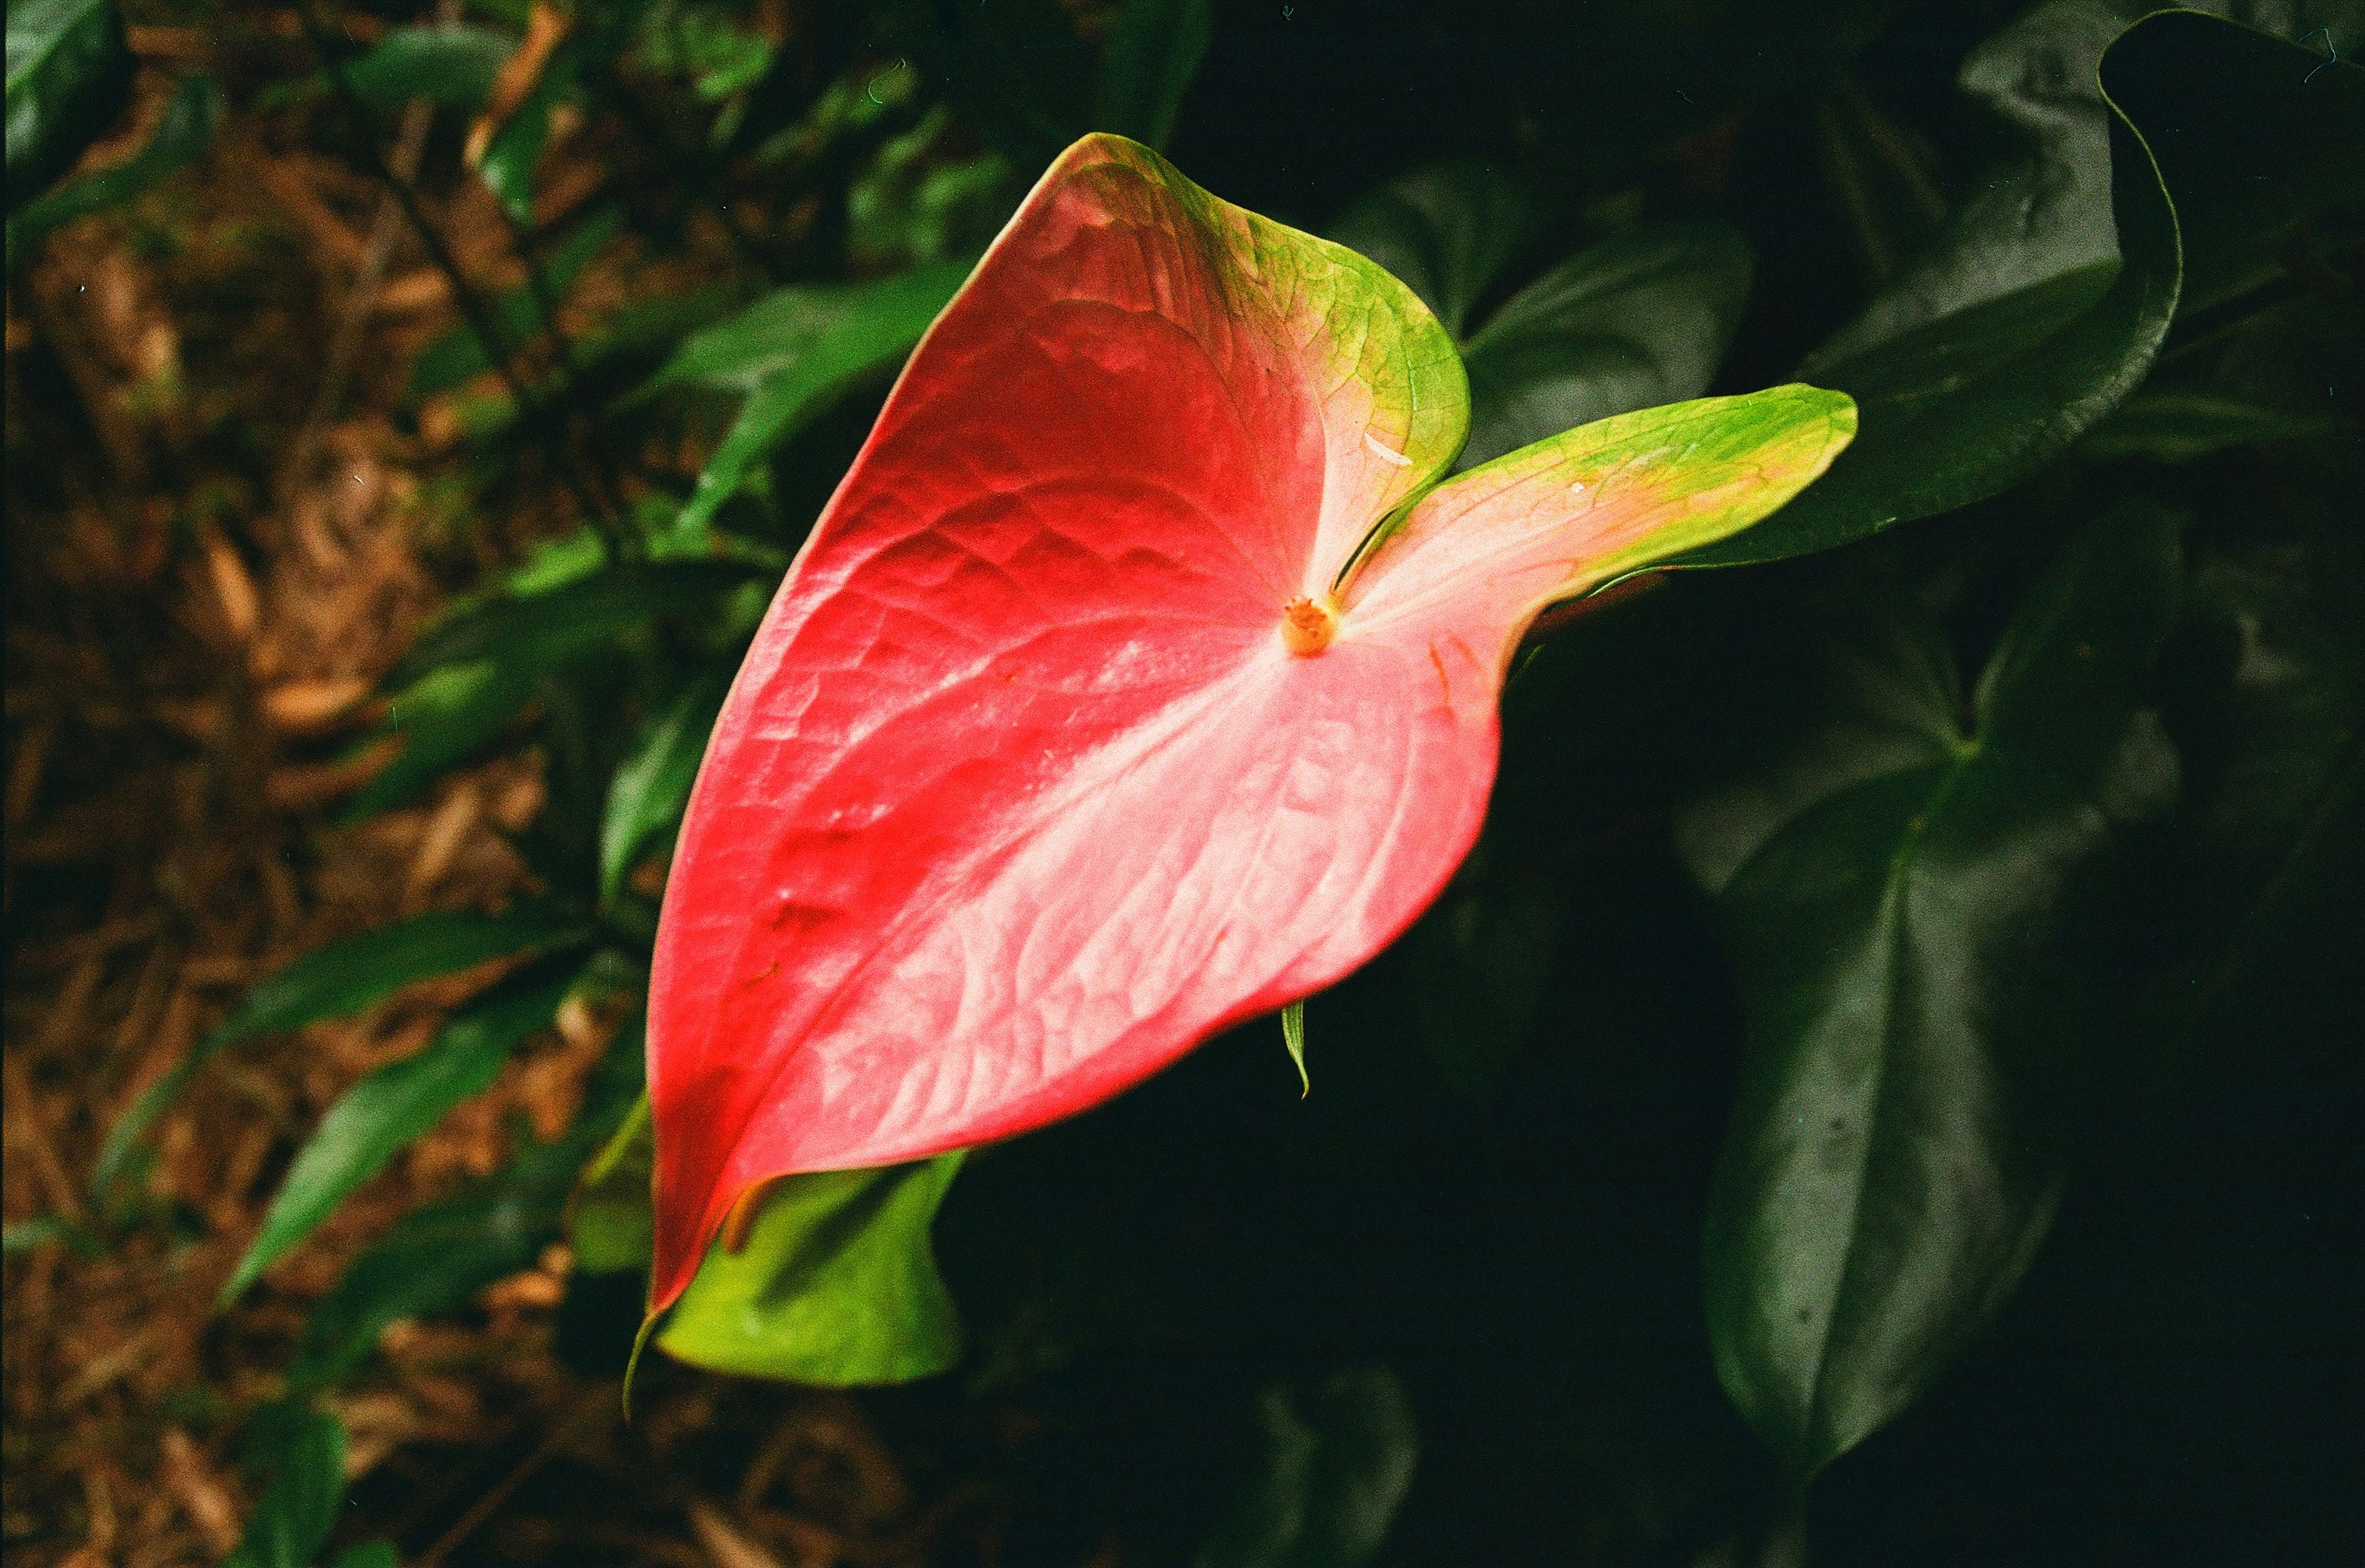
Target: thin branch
[
  {"x": 472, "y": 305},
  {"x": 653, "y": 137}
]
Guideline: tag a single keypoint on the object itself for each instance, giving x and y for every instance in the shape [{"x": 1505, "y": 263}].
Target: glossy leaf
[
  {"x": 1963, "y": 404},
  {"x": 1444, "y": 231},
  {"x": 342, "y": 979},
  {"x": 182, "y": 132},
  {"x": 1887, "y": 888},
  {"x": 68, "y": 71},
  {"x": 384, "y": 1113},
  {"x": 1152, "y": 52},
  {"x": 451, "y": 64},
  {"x": 836, "y": 1285},
  {"x": 1638, "y": 319},
  {"x": 794, "y": 353},
  {"x": 545, "y": 628},
  {"x": 1965, "y": 388},
  {"x": 1326, "y": 1483},
  {"x": 649, "y": 790},
  {"x": 306, "y": 1459},
  {"x": 1022, "y": 790}
]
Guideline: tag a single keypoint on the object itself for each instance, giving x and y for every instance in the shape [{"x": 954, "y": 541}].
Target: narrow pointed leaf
[
  {"x": 298, "y": 1508},
  {"x": 1092, "y": 719},
  {"x": 343, "y": 978},
  {"x": 449, "y": 63},
  {"x": 1886, "y": 892},
  {"x": 652, "y": 786},
  {"x": 381, "y": 1115},
  {"x": 794, "y": 353},
  {"x": 836, "y": 1286}
]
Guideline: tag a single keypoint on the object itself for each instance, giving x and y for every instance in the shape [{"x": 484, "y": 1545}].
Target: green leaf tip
[{"x": 1293, "y": 1035}]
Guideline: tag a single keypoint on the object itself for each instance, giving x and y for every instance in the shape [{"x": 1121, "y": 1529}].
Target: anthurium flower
[{"x": 1139, "y": 678}]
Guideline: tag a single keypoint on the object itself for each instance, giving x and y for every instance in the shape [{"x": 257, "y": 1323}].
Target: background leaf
[
  {"x": 795, "y": 351},
  {"x": 451, "y": 64},
  {"x": 343, "y": 978},
  {"x": 1888, "y": 889},
  {"x": 651, "y": 785},
  {"x": 1325, "y": 1482},
  {"x": 460, "y": 355},
  {"x": 1152, "y": 52},
  {"x": 385, "y": 1112},
  {"x": 181, "y": 134},
  {"x": 836, "y": 1285},
  {"x": 1633, "y": 321},
  {"x": 304, "y": 1455},
  {"x": 1445, "y": 231},
  {"x": 68, "y": 71},
  {"x": 437, "y": 1257}
]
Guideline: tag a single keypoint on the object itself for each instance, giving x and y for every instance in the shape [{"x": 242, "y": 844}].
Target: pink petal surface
[{"x": 1021, "y": 793}]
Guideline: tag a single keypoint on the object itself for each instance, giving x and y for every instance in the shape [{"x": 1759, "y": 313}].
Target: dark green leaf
[
  {"x": 836, "y": 1285},
  {"x": 515, "y": 151},
  {"x": 343, "y": 978},
  {"x": 649, "y": 790},
  {"x": 1959, "y": 400},
  {"x": 2274, "y": 725},
  {"x": 444, "y": 718},
  {"x": 2184, "y": 427},
  {"x": 1445, "y": 231},
  {"x": 911, "y": 207},
  {"x": 1635, "y": 321},
  {"x": 68, "y": 71},
  {"x": 460, "y": 356},
  {"x": 1325, "y": 1486},
  {"x": 451, "y": 64},
  {"x": 544, "y": 629},
  {"x": 186, "y": 125},
  {"x": 24, "y": 1234},
  {"x": 381, "y": 1115},
  {"x": 1889, "y": 888},
  {"x": 1482, "y": 964},
  {"x": 1152, "y": 52},
  {"x": 609, "y": 1224},
  {"x": 794, "y": 353},
  {"x": 298, "y": 1509},
  {"x": 438, "y": 1257}
]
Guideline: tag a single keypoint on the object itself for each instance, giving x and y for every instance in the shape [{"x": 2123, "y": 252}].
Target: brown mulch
[{"x": 219, "y": 538}]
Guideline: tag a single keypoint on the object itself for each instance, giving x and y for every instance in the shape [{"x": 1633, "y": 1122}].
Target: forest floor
[{"x": 222, "y": 531}]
